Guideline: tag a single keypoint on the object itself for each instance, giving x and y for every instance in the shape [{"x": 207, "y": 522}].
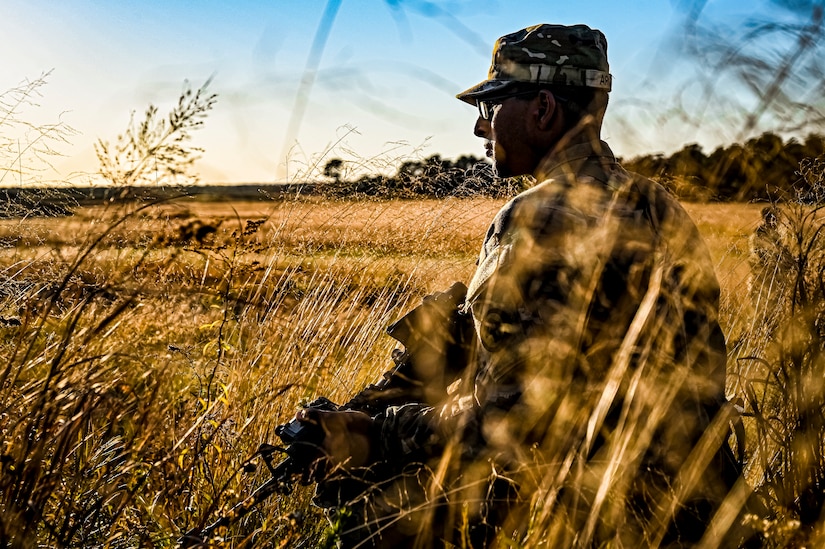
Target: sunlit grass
[
  {"x": 138, "y": 382},
  {"x": 139, "y": 379}
]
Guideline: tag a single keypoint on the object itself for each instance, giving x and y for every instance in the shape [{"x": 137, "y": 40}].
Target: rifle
[{"x": 437, "y": 340}]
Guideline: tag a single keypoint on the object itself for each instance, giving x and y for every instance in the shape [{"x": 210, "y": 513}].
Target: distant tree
[
  {"x": 334, "y": 169},
  {"x": 689, "y": 162},
  {"x": 467, "y": 162},
  {"x": 814, "y": 146},
  {"x": 431, "y": 177}
]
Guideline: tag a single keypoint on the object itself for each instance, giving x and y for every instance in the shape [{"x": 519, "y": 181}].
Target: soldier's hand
[{"x": 347, "y": 443}]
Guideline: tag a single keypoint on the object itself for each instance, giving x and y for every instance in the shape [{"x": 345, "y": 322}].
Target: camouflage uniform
[
  {"x": 591, "y": 286},
  {"x": 600, "y": 365}
]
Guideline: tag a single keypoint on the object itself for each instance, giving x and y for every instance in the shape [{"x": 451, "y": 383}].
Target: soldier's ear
[{"x": 547, "y": 110}]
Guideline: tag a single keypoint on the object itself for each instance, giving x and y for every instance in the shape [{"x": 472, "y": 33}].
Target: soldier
[{"x": 594, "y": 411}]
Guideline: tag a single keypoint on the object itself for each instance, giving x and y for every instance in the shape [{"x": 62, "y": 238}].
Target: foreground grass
[{"x": 147, "y": 353}]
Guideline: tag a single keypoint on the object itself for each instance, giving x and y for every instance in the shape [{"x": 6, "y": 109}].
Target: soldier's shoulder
[{"x": 660, "y": 199}]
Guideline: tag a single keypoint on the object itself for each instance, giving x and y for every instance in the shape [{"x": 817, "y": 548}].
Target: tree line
[
  {"x": 763, "y": 168},
  {"x": 431, "y": 177}
]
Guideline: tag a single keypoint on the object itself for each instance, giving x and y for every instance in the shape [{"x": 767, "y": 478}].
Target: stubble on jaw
[{"x": 499, "y": 161}]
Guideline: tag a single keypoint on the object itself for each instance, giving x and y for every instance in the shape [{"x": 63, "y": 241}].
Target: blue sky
[{"x": 385, "y": 83}]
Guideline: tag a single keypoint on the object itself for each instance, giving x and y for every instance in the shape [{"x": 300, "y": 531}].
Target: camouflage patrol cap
[{"x": 556, "y": 55}]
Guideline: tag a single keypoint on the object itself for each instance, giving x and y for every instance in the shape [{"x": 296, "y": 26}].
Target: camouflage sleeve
[{"x": 408, "y": 433}]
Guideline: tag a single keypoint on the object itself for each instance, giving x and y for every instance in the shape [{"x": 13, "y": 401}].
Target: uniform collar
[{"x": 569, "y": 161}]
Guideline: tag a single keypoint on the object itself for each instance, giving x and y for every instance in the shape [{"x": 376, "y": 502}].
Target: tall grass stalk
[
  {"x": 782, "y": 364},
  {"x": 143, "y": 364}
]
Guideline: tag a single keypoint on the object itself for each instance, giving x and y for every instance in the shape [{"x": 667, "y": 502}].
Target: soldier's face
[{"x": 507, "y": 137}]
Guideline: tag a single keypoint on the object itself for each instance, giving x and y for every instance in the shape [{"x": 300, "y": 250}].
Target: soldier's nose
[{"x": 483, "y": 128}]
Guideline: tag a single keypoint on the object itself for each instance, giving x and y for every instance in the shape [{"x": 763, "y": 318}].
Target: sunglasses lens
[{"x": 485, "y": 109}]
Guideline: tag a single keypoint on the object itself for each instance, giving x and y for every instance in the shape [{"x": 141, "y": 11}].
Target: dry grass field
[{"x": 147, "y": 351}]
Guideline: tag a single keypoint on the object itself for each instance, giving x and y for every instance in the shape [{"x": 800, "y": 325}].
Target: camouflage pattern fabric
[
  {"x": 601, "y": 363},
  {"x": 554, "y": 55},
  {"x": 600, "y": 369},
  {"x": 596, "y": 296}
]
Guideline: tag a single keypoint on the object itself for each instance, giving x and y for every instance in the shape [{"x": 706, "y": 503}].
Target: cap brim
[{"x": 488, "y": 88}]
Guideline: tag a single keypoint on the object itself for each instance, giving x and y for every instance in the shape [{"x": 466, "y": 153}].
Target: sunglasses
[{"x": 486, "y": 106}]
